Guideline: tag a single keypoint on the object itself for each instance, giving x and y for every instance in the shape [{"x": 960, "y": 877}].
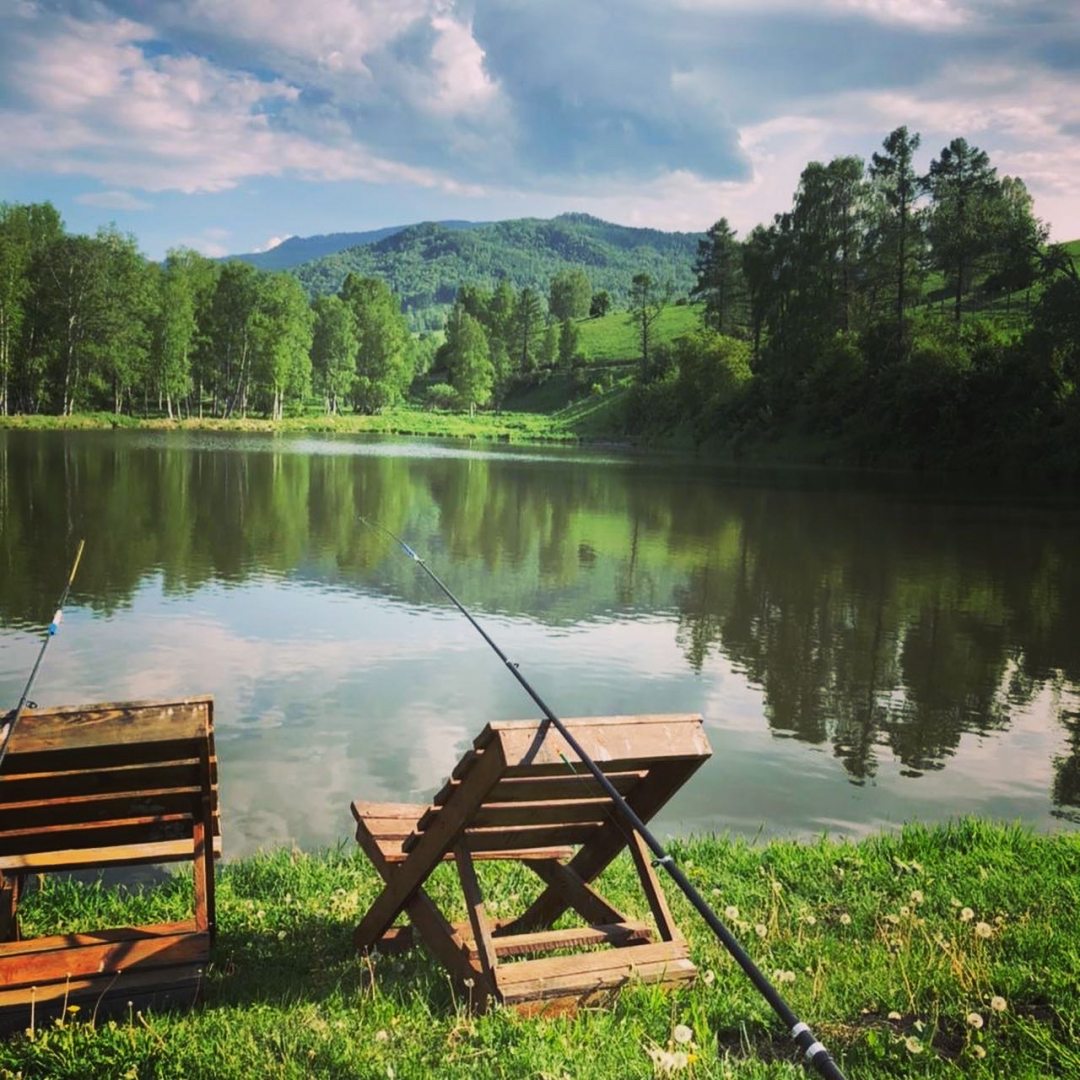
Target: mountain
[
  {"x": 301, "y": 249},
  {"x": 424, "y": 264}
]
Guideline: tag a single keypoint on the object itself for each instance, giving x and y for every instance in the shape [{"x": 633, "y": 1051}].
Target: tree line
[
  {"x": 886, "y": 309},
  {"x": 87, "y": 323}
]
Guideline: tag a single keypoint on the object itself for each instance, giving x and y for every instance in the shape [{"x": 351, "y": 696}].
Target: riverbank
[
  {"x": 494, "y": 427},
  {"x": 930, "y": 953}
]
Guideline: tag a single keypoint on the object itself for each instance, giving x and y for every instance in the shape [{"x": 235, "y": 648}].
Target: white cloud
[
  {"x": 113, "y": 200},
  {"x": 273, "y": 242},
  {"x": 334, "y": 35},
  {"x": 463, "y": 86},
  {"x": 99, "y": 106},
  {"x": 926, "y": 14}
]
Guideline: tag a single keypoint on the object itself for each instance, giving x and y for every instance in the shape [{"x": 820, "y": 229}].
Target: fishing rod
[
  {"x": 815, "y": 1053},
  {"x": 8, "y": 726}
]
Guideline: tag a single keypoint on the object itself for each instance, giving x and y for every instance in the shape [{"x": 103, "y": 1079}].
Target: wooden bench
[
  {"x": 98, "y": 786},
  {"x": 519, "y": 794}
]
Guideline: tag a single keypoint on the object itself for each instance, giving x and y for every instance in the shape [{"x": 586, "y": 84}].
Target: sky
[{"x": 227, "y": 125}]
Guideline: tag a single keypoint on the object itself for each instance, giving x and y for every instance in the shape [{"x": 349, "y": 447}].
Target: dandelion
[
  {"x": 731, "y": 912},
  {"x": 913, "y": 1045},
  {"x": 905, "y": 911},
  {"x": 916, "y": 896},
  {"x": 974, "y": 1020},
  {"x": 709, "y": 977},
  {"x": 845, "y": 919},
  {"x": 682, "y": 1033},
  {"x": 954, "y": 902},
  {"x": 782, "y": 976},
  {"x": 716, "y": 892},
  {"x": 966, "y": 914},
  {"x": 382, "y": 1035},
  {"x": 979, "y": 1051},
  {"x": 761, "y": 930},
  {"x": 894, "y": 1015},
  {"x": 811, "y": 921},
  {"x": 894, "y": 919},
  {"x": 998, "y": 1003}
]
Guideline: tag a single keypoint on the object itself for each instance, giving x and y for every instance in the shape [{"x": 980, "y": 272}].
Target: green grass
[
  {"x": 404, "y": 420},
  {"x": 615, "y": 338},
  {"x": 876, "y": 948}
]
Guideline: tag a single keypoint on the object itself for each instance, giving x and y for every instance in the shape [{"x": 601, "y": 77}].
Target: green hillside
[
  {"x": 615, "y": 337},
  {"x": 426, "y": 263}
]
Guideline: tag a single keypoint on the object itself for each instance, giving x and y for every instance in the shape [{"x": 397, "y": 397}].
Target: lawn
[{"x": 940, "y": 952}]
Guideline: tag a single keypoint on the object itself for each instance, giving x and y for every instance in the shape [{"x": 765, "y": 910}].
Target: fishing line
[
  {"x": 8, "y": 727},
  {"x": 804, "y": 1038}
]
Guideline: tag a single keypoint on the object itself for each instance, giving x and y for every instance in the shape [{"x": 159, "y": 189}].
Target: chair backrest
[
  {"x": 99, "y": 785},
  {"x": 543, "y": 795}
]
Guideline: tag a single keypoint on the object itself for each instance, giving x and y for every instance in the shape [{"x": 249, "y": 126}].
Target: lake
[{"x": 866, "y": 650}]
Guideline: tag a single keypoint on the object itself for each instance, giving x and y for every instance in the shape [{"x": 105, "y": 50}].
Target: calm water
[{"x": 864, "y": 651}]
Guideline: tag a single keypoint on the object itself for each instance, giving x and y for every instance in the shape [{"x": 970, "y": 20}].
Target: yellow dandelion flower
[
  {"x": 975, "y": 1020},
  {"x": 916, "y": 896},
  {"x": 979, "y": 1051},
  {"x": 913, "y": 1045}
]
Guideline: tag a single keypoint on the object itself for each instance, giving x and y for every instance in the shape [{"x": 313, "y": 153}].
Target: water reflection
[{"x": 901, "y": 632}]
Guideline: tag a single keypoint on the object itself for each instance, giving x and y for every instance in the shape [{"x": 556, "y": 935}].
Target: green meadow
[{"x": 933, "y": 952}]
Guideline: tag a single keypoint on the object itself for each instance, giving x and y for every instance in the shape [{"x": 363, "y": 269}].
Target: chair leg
[
  {"x": 9, "y": 903},
  {"x": 478, "y": 919}
]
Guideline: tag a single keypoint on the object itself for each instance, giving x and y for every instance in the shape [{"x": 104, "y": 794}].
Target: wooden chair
[
  {"x": 107, "y": 786},
  {"x": 520, "y": 794}
]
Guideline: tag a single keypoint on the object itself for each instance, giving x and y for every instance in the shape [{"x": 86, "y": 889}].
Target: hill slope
[
  {"x": 301, "y": 249},
  {"x": 425, "y": 264}
]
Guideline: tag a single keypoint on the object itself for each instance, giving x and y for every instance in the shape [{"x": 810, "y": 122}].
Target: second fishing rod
[{"x": 814, "y": 1052}]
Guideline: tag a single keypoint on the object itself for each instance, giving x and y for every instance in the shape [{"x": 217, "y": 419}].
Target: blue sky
[{"x": 224, "y": 124}]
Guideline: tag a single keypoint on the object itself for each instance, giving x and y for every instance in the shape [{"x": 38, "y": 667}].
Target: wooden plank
[
  {"x": 95, "y": 835},
  {"x": 95, "y": 937},
  {"x": 580, "y": 723},
  {"x": 478, "y": 920},
  {"x": 642, "y": 857},
  {"x": 9, "y": 906},
  {"x": 203, "y": 843},
  {"x": 582, "y": 968},
  {"x": 574, "y": 937},
  {"x": 121, "y": 855},
  {"x": 575, "y": 786},
  {"x": 396, "y": 811},
  {"x": 558, "y": 1000},
  {"x": 522, "y": 837},
  {"x": 393, "y": 853},
  {"x": 618, "y": 746},
  {"x": 563, "y": 812},
  {"x": 434, "y": 843},
  {"x": 91, "y": 808},
  {"x": 109, "y": 778},
  {"x": 38, "y": 968},
  {"x": 139, "y": 979},
  {"x": 96, "y": 757},
  {"x": 81, "y": 727}
]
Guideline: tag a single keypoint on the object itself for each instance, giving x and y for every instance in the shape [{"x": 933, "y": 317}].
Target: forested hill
[
  {"x": 301, "y": 249},
  {"x": 425, "y": 264}
]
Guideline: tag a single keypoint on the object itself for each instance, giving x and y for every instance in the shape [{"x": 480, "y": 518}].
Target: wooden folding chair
[
  {"x": 521, "y": 794},
  {"x": 107, "y": 786}
]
